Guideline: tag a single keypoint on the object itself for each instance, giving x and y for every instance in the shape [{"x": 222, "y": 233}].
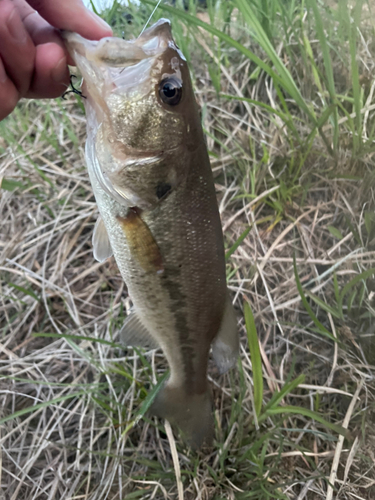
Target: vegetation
[{"x": 286, "y": 91}]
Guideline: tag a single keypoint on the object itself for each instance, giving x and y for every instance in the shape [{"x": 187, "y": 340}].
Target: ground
[{"x": 296, "y": 199}]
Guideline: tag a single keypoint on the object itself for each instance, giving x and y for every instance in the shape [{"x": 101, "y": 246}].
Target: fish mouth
[
  {"x": 113, "y": 66},
  {"x": 116, "y": 55}
]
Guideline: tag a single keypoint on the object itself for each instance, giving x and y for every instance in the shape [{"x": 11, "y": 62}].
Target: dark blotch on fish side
[
  {"x": 162, "y": 189},
  {"x": 171, "y": 281},
  {"x": 134, "y": 211}
]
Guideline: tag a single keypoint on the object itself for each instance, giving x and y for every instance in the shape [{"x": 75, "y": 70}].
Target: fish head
[{"x": 139, "y": 91}]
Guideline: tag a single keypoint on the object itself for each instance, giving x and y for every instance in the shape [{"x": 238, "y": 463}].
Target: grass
[{"x": 286, "y": 93}]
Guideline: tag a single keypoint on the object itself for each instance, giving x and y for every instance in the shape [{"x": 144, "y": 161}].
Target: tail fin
[{"x": 192, "y": 413}]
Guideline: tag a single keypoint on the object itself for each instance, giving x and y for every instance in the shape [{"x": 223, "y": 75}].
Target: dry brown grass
[{"x": 73, "y": 445}]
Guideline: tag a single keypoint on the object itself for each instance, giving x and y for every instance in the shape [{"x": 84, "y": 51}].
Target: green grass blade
[
  {"x": 147, "y": 402},
  {"x": 78, "y": 337},
  {"x": 327, "y": 66},
  {"x": 262, "y": 105},
  {"x": 25, "y": 291},
  {"x": 47, "y": 383},
  {"x": 137, "y": 494},
  {"x": 11, "y": 185},
  {"x": 353, "y": 282},
  {"x": 350, "y": 21},
  {"x": 234, "y": 247},
  {"x": 92, "y": 5},
  {"x": 321, "y": 121},
  {"x": 285, "y": 79},
  {"x": 336, "y": 233},
  {"x": 287, "y": 119},
  {"x": 39, "y": 406},
  {"x": 322, "y": 329},
  {"x": 255, "y": 357},
  {"x": 298, "y": 410},
  {"x": 357, "y": 10},
  {"x": 323, "y": 305},
  {"x": 287, "y": 388}
]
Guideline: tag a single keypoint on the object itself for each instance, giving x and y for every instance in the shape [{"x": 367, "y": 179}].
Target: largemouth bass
[{"x": 151, "y": 176}]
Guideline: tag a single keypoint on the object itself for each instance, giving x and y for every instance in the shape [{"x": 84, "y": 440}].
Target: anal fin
[
  {"x": 134, "y": 334},
  {"x": 100, "y": 241},
  {"x": 225, "y": 346}
]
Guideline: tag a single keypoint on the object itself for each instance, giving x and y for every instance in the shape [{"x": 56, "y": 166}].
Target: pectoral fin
[
  {"x": 225, "y": 346},
  {"x": 100, "y": 241},
  {"x": 142, "y": 244},
  {"x": 134, "y": 334}
]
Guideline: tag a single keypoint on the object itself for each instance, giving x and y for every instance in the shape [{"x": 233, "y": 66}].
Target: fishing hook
[{"x": 73, "y": 90}]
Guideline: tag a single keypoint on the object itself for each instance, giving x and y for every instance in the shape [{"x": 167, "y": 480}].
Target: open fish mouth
[
  {"x": 116, "y": 51},
  {"x": 116, "y": 63}
]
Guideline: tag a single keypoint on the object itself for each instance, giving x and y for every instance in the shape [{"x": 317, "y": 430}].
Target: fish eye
[{"x": 170, "y": 91}]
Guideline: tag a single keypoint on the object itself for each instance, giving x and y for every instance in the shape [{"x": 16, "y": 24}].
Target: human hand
[{"x": 33, "y": 59}]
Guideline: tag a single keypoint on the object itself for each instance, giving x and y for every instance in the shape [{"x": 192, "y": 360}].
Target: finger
[
  {"x": 51, "y": 74},
  {"x": 42, "y": 32},
  {"x": 8, "y": 93},
  {"x": 16, "y": 47},
  {"x": 72, "y": 15}
]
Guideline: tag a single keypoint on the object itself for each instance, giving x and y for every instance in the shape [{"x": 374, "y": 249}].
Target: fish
[{"x": 150, "y": 172}]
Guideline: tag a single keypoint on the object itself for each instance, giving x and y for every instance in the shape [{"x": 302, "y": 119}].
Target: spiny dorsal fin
[
  {"x": 100, "y": 241},
  {"x": 135, "y": 334}
]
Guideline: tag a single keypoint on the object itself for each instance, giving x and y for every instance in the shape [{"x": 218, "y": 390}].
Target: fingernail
[
  {"x": 99, "y": 21},
  {"x": 3, "y": 75},
  {"x": 16, "y": 28},
  {"x": 58, "y": 73}
]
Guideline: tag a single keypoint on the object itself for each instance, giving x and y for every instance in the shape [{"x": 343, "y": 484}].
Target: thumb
[{"x": 72, "y": 15}]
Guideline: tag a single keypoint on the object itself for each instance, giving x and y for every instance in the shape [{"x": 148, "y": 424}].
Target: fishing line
[{"x": 149, "y": 19}]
